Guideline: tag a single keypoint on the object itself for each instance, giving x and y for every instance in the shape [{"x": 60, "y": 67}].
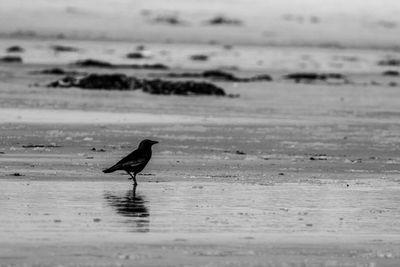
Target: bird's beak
[{"x": 154, "y": 142}]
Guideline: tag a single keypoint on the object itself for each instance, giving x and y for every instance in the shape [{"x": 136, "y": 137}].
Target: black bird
[{"x": 135, "y": 161}]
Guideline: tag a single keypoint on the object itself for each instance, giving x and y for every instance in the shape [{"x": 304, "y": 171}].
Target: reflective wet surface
[
  {"x": 132, "y": 205},
  {"x": 47, "y": 210}
]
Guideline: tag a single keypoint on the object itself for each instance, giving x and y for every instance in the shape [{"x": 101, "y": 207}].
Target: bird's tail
[{"x": 111, "y": 169}]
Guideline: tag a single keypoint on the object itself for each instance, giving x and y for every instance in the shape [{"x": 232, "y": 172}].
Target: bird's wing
[
  {"x": 133, "y": 159},
  {"x": 133, "y": 162},
  {"x": 132, "y": 156}
]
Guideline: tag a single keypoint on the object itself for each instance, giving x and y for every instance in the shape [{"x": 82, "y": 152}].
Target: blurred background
[{"x": 331, "y": 23}]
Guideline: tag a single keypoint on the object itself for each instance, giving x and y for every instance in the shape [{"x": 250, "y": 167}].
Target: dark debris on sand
[
  {"x": 168, "y": 20},
  {"x": 124, "y": 82},
  {"x": 11, "y": 59},
  {"x": 220, "y": 76},
  {"x": 40, "y": 146},
  {"x": 93, "y": 63},
  {"x": 98, "y": 150},
  {"x": 319, "y": 157},
  {"x": 199, "y": 57},
  {"x": 222, "y": 20},
  {"x": 15, "y": 49},
  {"x": 309, "y": 77},
  {"x": 136, "y": 55},
  {"x": 391, "y": 73},
  {"x": 389, "y": 62},
  {"x": 63, "y": 48},
  {"x": 56, "y": 71},
  {"x": 17, "y": 174}
]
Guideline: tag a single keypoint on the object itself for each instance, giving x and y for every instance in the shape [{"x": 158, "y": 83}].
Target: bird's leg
[
  {"x": 134, "y": 191},
  {"x": 130, "y": 175},
  {"x": 133, "y": 177}
]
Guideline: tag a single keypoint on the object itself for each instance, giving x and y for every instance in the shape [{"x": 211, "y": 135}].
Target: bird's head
[{"x": 147, "y": 143}]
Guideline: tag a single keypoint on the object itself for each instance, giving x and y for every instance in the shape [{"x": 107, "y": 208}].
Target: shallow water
[{"x": 48, "y": 210}]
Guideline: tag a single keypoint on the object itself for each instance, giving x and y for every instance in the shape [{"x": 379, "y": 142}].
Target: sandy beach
[
  {"x": 295, "y": 163},
  {"x": 285, "y": 175}
]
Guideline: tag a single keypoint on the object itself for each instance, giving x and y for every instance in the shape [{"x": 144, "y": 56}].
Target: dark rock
[
  {"x": 228, "y": 47},
  {"x": 63, "y": 48},
  {"x": 96, "y": 81},
  {"x": 93, "y": 63},
  {"x": 66, "y": 82},
  {"x": 389, "y": 62},
  {"x": 199, "y": 57},
  {"x": 238, "y": 152},
  {"x": 262, "y": 77},
  {"x": 56, "y": 71},
  {"x": 319, "y": 157},
  {"x": 136, "y": 55},
  {"x": 106, "y": 81},
  {"x": 309, "y": 77},
  {"x": 160, "y": 87},
  {"x": 391, "y": 73},
  {"x": 140, "y": 48},
  {"x": 15, "y": 49},
  {"x": 156, "y": 66},
  {"x": 168, "y": 19},
  {"x": 11, "y": 59},
  {"x": 220, "y": 75},
  {"x": 124, "y": 82},
  {"x": 182, "y": 75},
  {"x": 40, "y": 145},
  {"x": 375, "y": 83},
  {"x": 221, "y": 20}
]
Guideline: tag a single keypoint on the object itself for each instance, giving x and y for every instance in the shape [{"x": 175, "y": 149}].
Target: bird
[{"x": 135, "y": 161}]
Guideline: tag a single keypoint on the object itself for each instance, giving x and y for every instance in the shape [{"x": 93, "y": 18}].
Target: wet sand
[
  {"x": 196, "y": 223},
  {"x": 285, "y": 175}
]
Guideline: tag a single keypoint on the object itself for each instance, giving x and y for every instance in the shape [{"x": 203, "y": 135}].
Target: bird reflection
[{"x": 130, "y": 205}]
